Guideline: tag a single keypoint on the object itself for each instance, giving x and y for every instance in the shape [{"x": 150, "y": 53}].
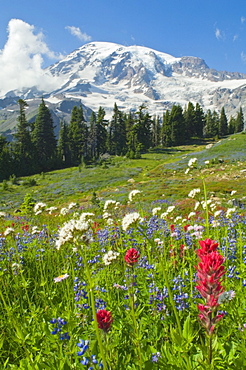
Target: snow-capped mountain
[{"x": 102, "y": 73}]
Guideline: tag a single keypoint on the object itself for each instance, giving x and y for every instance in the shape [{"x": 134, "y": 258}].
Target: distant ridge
[{"x": 103, "y": 73}]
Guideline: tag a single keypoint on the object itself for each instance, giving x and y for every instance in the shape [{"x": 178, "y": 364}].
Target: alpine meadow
[{"x": 123, "y": 221}]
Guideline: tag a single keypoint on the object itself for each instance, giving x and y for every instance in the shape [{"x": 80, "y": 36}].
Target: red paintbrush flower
[
  {"x": 132, "y": 256},
  {"x": 207, "y": 246},
  {"x": 209, "y": 273},
  {"x": 104, "y": 319}
]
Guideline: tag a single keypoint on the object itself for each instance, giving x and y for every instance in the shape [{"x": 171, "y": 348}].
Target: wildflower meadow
[{"x": 120, "y": 286}]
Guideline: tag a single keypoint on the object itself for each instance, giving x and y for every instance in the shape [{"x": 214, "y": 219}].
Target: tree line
[{"x": 35, "y": 148}]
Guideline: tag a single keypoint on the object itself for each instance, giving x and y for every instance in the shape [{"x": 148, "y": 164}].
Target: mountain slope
[{"x": 101, "y": 74}]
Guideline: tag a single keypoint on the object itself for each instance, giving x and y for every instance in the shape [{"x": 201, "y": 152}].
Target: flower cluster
[
  {"x": 58, "y": 328},
  {"x": 109, "y": 257},
  {"x": 209, "y": 273},
  {"x": 130, "y": 219},
  {"x": 86, "y": 361},
  {"x": 104, "y": 320},
  {"x": 132, "y": 256},
  {"x": 133, "y": 194}
]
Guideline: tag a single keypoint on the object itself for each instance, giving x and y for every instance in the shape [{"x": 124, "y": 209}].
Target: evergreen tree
[
  {"x": 166, "y": 130},
  {"x": 23, "y": 150},
  {"x": 177, "y": 125},
  {"x": 101, "y": 131},
  {"x": 231, "y": 126},
  {"x": 92, "y": 137},
  {"x": 63, "y": 147},
  {"x": 6, "y": 161},
  {"x": 116, "y": 143},
  {"x": 239, "y": 123},
  {"x": 189, "y": 121},
  {"x": 199, "y": 121},
  {"x": 142, "y": 128},
  {"x": 211, "y": 124},
  {"x": 223, "y": 124},
  {"x": 133, "y": 145},
  {"x": 156, "y": 131},
  {"x": 78, "y": 136},
  {"x": 44, "y": 140}
]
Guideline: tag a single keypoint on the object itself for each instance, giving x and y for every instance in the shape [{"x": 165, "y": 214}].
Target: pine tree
[
  {"x": 156, "y": 131},
  {"x": 78, "y": 136},
  {"x": 189, "y": 121},
  {"x": 133, "y": 145},
  {"x": 116, "y": 141},
  {"x": 177, "y": 125},
  {"x": 43, "y": 138},
  {"x": 23, "y": 150},
  {"x": 101, "y": 124},
  {"x": 92, "y": 137},
  {"x": 231, "y": 125},
  {"x": 199, "y": 121},
  {"x": 223, "y": 123},
  {"x": 142, "y": 128},
  {"x": 166, "y": 130},
  {"x": 6, "y": 161},
  {"x": 239, "y": 123},
  {"x": 63, "y": 147}
]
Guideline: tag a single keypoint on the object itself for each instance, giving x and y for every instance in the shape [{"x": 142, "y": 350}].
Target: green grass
[{"x": 159, "y": 173}]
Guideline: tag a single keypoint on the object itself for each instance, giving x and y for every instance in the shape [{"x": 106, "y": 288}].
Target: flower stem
[{"x": 92, "y": 300}]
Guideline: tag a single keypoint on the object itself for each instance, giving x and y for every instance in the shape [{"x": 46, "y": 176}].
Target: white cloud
[
  {"x": 21, "y": 59},
  {"x": 218, "y": 34},
  {"x": 235, "y": 37},
  {"x": 243, "y": 57},
  {"x": 243, "y": 19},
  {"x": 75, "y": 31}
]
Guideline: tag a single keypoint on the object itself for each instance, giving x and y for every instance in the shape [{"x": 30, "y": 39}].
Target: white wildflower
[
  {"x": 86, "y": 216},
  {"x": 2, "y": 214},
  {"x": 205, "y": 203},
  {"x": 110, "y": 204},
  {"x": 72, "y": 205},
  {"x": 230, "y": 211},
  {"x": 196, "y": 206},
  {"x": 130, "y": 219},
  {"x": 110, "y": 221},
  {"x": 109, "y": 257},
  {"x": 60, "y": 278},
  {"x": 193, "y": 192},
  {"x": 207, "y": 163},
  {"x": 217, "y": 213},
  {"x": 50, "y": 210},
  {"x": 178, "y": 218},
  {"x": 233, "y": 192},
  {"x": 191, "y": 214},
  {"x": 8, "y": 231},
  {"x": 155, "y": 211},
  {"x": 39, "y": 207},
  {"x": 187, "y": 171},
  {"x": 35, "y": 230},
  {"x": 106, "y": 215},
  {"x": 64, "y": 211},
  {"x": 192, "y": 162},
  {"x": 163, "y": 215},
  {"x": 170, "y": 209},
  {"x": 215, "y": 223},
  {"x": 133, "y": 194}
]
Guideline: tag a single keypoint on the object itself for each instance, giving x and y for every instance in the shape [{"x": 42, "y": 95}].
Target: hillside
[{"x": 160, "y": 174}]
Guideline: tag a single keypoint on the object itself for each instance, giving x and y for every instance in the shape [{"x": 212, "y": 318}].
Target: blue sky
[{"x": 214, "y": 30}]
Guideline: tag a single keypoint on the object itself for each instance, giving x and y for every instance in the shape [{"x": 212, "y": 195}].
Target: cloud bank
[
  {"x": 21, "y": 59},
  {"x": 75, "y": 31}
]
